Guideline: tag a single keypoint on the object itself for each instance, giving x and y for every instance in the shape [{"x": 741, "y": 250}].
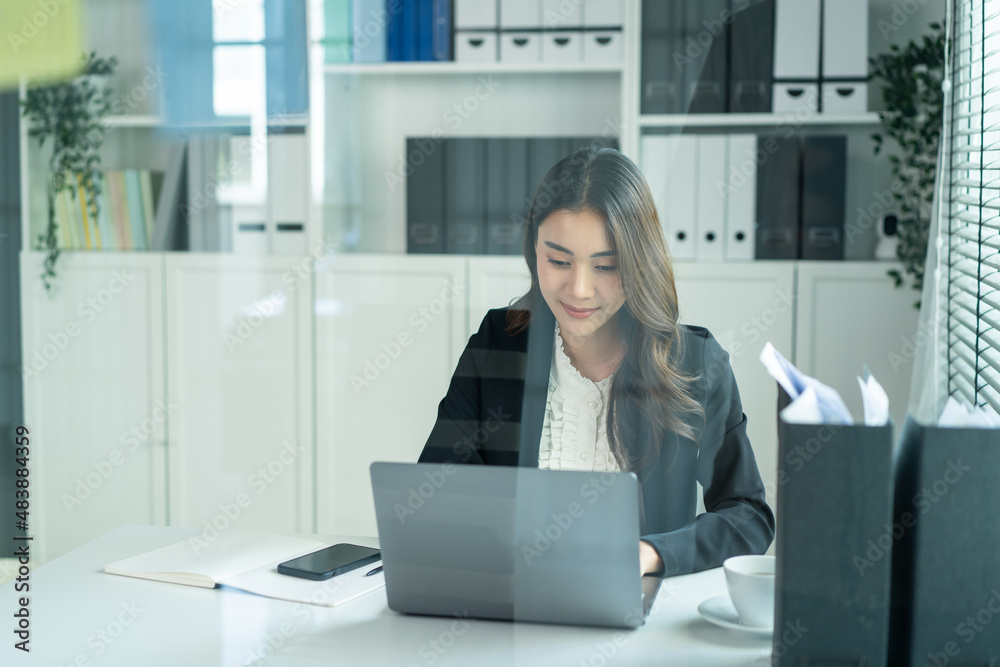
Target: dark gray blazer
[{"x": 479, "y": 421}]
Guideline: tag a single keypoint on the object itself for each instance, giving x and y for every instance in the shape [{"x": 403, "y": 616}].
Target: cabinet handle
[
  {"x": 796, "y": 92},
  {"x": 561, "y": 41},
  {"x": 520, "y": 41},
  {"x": 476, "y": 41},
  {"x": 845, "y": 92},
  {"x": 603, "y": 40}
]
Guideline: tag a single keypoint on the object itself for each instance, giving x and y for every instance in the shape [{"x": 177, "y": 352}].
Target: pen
[{"x": 375, "y": 571}]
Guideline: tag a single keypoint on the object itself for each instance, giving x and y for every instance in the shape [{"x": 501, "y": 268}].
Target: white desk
[{"x": 81, "y": 616}]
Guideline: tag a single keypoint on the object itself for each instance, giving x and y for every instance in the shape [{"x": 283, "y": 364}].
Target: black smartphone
[{"x": 329, "y": 562}]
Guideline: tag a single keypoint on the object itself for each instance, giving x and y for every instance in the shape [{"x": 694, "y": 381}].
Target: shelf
[
  {"x": 139, "y": 121},
  {"x": 133, "y": 121},
  {"x": 758, "y": 120},
  {"x": 470, "y": 68}
]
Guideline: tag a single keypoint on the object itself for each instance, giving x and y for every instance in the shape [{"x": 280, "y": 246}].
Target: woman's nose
[{"x": 581, "y": 285}]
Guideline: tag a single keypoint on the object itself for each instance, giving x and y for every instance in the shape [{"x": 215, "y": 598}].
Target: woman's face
[{"x": 578, "y": 271}]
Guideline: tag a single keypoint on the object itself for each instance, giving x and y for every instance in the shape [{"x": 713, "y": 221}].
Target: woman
[{"x": 595, "y": 351}]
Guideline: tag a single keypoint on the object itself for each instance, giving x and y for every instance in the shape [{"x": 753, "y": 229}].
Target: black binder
[
  {"x": 425, "y": 196},
  {"x": 751, "y": 57},
  {"x": 834, "y": 499},
  {"x": 946, "y": 559},
  {"x": 465, "y": 196},
  {"x": 706, "y": 56},
  {"x": 824, "y": 189},
  {"x": 543, "y": 154},
  {"x": 506, "y": 195},
  {"x": 778, "y": 181},
  {"x": 662, "y": 81}
]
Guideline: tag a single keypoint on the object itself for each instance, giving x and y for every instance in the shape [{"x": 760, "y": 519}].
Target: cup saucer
[{"x": 720, "y": 610}]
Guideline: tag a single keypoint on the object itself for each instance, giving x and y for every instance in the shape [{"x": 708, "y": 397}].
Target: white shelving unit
[
  {"x": 728, "y": 120},
  {"x": 468, "y": 68}
]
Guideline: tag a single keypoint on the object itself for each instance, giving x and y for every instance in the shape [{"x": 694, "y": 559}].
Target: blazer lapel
[{"x": 536, "y": 384}]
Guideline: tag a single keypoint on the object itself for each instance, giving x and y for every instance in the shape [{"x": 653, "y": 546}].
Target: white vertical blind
[{"x": 972, "y": 224}]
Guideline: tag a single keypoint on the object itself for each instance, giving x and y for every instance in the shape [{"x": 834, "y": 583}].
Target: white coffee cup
[{"x": 751, "y": 588}]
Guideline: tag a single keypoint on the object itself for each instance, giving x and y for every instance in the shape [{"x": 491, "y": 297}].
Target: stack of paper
[
  {"x": 956, "y": 415},
  {"x": 816, "y": 403}
]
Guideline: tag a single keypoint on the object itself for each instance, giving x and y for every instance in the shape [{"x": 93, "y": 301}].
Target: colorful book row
[
  {"x": 126, "y": 212},
  {"x": 386, "y": 30}
]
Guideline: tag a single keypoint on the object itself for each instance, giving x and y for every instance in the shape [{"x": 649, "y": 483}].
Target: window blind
[{"x": 971, "y": 242}]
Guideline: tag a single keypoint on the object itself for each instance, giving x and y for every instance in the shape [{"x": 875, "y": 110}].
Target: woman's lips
[{"x": 578, "y": 313}]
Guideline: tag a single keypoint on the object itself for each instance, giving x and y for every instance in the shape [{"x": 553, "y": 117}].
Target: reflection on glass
[
  {"x": 237, "y": 21},
  {"x": 239, "y": 84}
]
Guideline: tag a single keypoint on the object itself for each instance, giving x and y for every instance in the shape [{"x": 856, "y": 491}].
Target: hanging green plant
[
  {"x": 71, "y": 114},
  {"x": 912, "y": 77}
]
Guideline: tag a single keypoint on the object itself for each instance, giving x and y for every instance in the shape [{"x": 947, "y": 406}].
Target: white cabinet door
[
  {"x": 745, "y": 305},
  {"x": 389, "y": 332},
  {"x": 239, "y": 371},
  {"x": 850, "y": 314},
  {"x": 94, "y": 396},
  {"x": 494, "y": 282}
]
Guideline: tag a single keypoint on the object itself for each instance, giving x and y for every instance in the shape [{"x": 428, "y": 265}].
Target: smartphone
[{"x": 329, "y": 562}]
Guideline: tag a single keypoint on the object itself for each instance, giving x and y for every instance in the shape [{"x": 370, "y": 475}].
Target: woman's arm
[
  {"x": 737, "y": 519},
  {"x": 452, "y": 438}
]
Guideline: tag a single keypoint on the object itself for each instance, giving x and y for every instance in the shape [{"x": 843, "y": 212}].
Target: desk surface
[{"x": 81, "y": 616}]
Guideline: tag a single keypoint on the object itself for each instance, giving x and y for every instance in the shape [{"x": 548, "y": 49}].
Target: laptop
[{"x": 512, "y": 543}]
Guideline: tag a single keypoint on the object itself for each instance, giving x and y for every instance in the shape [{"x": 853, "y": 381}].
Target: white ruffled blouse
[{"x": 574, "y": 432}]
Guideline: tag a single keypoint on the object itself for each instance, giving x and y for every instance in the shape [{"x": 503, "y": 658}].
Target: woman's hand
[{"x": 649, "y": 560}]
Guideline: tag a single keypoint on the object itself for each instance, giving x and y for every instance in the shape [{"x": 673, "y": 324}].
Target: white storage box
[
  {"x": 602, "y": 47},
  {"x": 520, "y": 47},
  {"x": 796, "y": 97},
  {"x": 474, "y": 46},
  {"x": 562, "y": 13},
  {"x": 475, "y": 14},
  {"x": 562, "y": 47},
  {"x": 602, "y": 13},
  {"x": 845, "y": 96},
  {"x": 520, "y": 14}
]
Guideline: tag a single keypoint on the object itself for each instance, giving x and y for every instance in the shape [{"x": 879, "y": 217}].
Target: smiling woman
[{"x": 628, "y": 388}]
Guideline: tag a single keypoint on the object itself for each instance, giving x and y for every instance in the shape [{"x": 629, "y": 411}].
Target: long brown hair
[{"x": 647, "y": 387}]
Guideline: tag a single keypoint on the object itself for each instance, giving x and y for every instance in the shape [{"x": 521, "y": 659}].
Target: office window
[
  {"x": 970, "y": 224},
  {"x": 232, "y": 61}
]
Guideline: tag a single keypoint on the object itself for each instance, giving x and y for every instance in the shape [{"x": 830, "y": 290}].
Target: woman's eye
[
  {"x": 558, "y": 263},
  {"x": 607, "y": 269}
]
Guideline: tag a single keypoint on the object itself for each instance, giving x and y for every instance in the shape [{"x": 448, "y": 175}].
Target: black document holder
[
  {"x": 946, "y": 564},
  {"x": 834, "y": 494}
]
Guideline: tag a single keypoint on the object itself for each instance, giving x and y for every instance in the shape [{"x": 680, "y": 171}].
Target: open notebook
[{"x": 247, "y": 561}]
